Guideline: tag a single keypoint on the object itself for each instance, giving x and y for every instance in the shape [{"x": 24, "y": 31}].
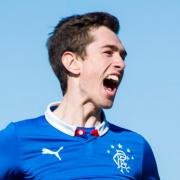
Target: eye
[
  {"x": 123, "y": 54},
  {"x": 108, "y": 53}
]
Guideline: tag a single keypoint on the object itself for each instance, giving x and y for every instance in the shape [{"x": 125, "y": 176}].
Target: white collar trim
[{"x": 67, "y": 128}]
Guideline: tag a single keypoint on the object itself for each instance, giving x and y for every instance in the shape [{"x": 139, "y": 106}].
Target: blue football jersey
[{"x": 49, "y": 149}]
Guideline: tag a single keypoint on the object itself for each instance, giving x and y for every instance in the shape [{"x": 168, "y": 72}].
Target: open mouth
[{"x": 111, "y": 83}]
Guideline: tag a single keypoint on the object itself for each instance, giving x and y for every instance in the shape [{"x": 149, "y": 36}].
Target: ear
[{"x": 71, "y": 62}]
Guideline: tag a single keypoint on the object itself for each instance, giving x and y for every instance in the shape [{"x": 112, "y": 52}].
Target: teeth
[{"x": 113, "y": 77}]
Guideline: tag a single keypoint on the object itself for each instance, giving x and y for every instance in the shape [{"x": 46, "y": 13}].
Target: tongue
[{"x": 110, "y": 91}]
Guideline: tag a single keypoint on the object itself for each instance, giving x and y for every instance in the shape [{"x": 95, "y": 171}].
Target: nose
[{"x": 119, "y": 63}]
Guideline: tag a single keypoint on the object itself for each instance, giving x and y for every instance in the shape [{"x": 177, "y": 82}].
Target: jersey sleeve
[
  {"x": 149, "y": 166},
  {"x": 8, "y": 153}
]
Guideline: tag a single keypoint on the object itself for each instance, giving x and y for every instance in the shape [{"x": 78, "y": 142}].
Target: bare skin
[{"x": 86, "y": 95}]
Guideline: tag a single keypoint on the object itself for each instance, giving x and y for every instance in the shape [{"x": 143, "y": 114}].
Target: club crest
[{"x": 122, "y": 157}]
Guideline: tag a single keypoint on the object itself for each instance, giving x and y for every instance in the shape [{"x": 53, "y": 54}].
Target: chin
[
  {"x": 107, "y": 105},
  {"x": 104, "y": 102}
]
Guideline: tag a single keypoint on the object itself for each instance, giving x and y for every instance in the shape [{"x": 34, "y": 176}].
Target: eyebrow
[{"x": 122, "y": 52}]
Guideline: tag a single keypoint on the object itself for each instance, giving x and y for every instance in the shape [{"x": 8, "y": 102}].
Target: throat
[{"x": 82, "y": 115}]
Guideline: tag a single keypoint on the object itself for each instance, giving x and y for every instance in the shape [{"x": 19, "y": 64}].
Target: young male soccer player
[{"x": 74, "y": 140}]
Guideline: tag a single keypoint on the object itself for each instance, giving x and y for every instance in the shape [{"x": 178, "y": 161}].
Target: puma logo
[{"x": 56, "y": 153}]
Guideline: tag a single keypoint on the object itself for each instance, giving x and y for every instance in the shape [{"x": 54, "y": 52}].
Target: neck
[{"x": 78, "y": 111}]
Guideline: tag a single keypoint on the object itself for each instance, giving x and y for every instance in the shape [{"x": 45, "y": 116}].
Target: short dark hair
[{"x": 72, "y": 34}]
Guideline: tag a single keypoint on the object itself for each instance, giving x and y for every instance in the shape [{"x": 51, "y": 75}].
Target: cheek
[
  {"x": 89, "y": 80},
  {"x": 89, "y": 71},
  {"x": 93, "y": 70}
]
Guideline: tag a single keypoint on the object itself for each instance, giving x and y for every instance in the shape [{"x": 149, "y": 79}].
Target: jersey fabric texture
[{"x": 46, "y": 148}]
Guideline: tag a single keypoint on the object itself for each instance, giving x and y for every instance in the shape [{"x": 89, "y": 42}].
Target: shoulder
[
  {"x": 8, "y": 151},
  {"x": 14, "y": 129},
  {"x": 30, "y": 122},
  {"x": 11, "y": 139},
  {"x": 129, "y": 137},
  {"x": 7, "y": 135},
  {"x": 126, "y": 133}
]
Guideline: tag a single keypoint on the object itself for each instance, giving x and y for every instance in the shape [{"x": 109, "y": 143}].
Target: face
[{"x": 102, "y": 68}]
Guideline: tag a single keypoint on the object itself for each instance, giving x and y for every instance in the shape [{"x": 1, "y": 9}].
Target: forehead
[{"x": 103, "y": 36}]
